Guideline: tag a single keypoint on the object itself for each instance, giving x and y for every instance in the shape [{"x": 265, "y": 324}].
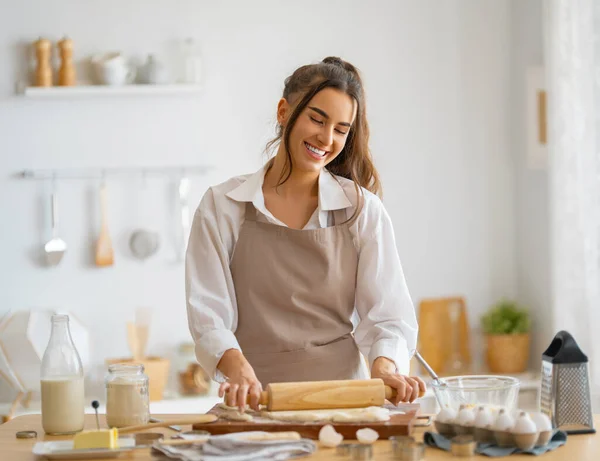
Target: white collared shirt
[{"x": 385, "y": 321}]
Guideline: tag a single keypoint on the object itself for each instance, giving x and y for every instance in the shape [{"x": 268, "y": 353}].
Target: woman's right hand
[{"x": 241, "y": 381}]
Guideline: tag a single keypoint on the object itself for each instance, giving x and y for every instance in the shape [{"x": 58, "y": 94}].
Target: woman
[{"x": 279, "y": 261}]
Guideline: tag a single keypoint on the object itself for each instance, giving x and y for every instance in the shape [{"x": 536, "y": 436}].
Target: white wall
[
  {"x": 532, "y": 219},
  {"x": 437, "y": 78}
]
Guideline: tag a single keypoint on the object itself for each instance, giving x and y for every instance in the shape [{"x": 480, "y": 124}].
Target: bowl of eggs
[
  {"x": 485, "y": 407},
  {"x": 487, "y": 390}
]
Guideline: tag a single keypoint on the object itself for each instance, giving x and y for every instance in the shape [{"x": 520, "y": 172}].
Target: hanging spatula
[{"x": 104, "y": 249}]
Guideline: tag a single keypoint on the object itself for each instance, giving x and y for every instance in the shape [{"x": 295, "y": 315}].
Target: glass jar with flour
[{"x": 127, "y": 399}]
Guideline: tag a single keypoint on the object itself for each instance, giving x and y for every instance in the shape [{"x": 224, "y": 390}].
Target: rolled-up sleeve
[
  {"x": 210, "y": 294},
  {"x": 388, "y": 324}
]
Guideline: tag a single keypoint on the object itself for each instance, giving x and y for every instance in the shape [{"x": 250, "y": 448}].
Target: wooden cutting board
[{"x": 399, "y": 424}]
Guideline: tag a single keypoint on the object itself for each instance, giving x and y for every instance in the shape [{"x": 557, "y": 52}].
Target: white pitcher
[{"x": 113, "y": 69}]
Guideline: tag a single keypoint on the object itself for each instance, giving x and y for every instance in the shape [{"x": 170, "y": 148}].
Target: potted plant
[{"x": 506, "y": 326}]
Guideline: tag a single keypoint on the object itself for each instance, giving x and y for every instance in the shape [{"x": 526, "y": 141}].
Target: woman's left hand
[{"x": 408, "y": 388}]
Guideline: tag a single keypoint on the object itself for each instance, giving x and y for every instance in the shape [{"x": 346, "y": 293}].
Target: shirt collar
[{"x": 331, "y": 193}]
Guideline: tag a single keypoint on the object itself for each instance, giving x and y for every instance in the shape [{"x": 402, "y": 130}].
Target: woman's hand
[
  {"x": 241, "y": 381},
  {"x": 408, "y": 389}
]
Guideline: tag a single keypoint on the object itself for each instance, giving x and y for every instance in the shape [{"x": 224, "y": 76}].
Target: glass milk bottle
[{"x": 62, "y": 382}]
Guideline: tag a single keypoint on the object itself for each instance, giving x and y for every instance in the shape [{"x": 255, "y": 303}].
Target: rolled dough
[
  {"x": 234, "y": 413},
  {"x": 339, "y": 415}
]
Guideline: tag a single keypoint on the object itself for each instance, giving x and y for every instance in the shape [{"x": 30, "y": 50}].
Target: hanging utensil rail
[{"x": 106, "y": 173}]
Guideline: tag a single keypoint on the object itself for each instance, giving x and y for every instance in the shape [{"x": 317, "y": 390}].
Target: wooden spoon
[{"x": 198, "y": 419}]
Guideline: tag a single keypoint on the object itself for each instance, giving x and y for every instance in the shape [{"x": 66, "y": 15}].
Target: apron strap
[{"x": 250, "y": 212}]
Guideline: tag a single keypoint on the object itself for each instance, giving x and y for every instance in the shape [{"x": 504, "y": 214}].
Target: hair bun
[{"x": 334, "y": 60}]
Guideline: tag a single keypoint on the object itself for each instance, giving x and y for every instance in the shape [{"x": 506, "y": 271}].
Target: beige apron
[{"x": 295, "y": 294}]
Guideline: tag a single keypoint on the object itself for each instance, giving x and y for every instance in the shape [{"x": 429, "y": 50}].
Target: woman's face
[{"x": 321, "y": 130}]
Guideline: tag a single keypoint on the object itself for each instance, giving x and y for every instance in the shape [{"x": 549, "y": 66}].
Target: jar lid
[{"x": 126, "y": 368}]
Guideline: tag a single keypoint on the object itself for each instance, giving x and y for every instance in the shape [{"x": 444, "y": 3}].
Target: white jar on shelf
[{"x": 191, "y": 62}]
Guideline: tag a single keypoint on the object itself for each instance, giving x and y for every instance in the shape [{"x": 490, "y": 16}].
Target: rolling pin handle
[
  {"x": 264, "y": 399},
  {"x": 390, "y": 392}
]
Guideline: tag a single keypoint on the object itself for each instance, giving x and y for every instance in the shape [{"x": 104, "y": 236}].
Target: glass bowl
[{"x": 492, "y": 391}]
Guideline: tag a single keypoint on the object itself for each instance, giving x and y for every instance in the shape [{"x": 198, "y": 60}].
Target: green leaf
[{"x": 506, "y": 317}]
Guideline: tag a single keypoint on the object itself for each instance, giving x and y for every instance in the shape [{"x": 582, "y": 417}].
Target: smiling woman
[
  {"x": 281, "y": 261},
  {"x": 337, "y": 105}
]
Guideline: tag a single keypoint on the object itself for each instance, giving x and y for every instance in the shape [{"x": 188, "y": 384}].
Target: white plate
[{"x": 63, "y": 449}]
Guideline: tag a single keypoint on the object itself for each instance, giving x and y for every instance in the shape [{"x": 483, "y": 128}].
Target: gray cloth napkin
[
  {"x": 232, "y": 448},
  {"x": 559, "y": 438}
]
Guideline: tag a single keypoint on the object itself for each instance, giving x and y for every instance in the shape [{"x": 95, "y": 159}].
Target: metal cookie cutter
[
  {"x": 408, "y": 450},
  {"x": 26, "y": 435},
  {"x": 345, "y": 449},
  {"x": 362, "y": 451},
  {"x": 463, "y": 445},
  {"x": 414, "y": 452}
]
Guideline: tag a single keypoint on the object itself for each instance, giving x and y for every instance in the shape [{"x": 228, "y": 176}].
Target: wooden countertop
[{"x": 578, "y": 447}]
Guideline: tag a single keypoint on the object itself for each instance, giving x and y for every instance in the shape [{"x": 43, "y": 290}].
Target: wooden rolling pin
[{"x": 315, "y": 395}]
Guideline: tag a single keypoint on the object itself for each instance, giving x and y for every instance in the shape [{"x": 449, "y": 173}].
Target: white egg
[
  {"x": 524, "y": 425},
  {"x": 447, "y": 415},
  {"x": 329, "y": 437},
  {"x": 504, "y": 422},
  {"x": 465, "y": 417},
  {"x": 366, "y": 435},
  {"x": 542, "y": 422},
  {"x": 483, "y": 417}
]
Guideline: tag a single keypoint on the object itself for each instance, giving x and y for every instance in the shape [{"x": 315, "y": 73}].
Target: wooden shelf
[{"x": 59, "y": 92}]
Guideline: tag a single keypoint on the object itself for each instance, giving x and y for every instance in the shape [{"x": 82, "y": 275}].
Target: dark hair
[{"x": 354, "y": 161}]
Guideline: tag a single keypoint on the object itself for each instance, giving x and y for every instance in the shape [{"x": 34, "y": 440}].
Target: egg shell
[
  {"x": 524, "y": 425},
  {"x": 447, "y": 415},
  {"x": 446, "y": 429},
  {"x": 504, "y": 422},
  {"x": 542, "y": 422},
  {"x": 329, "y": 437},
  {"x": 543, "y": 438},
  {"x": 366, "y": 435},
  {"x": 483, "y": 417},
  {"x": 460, "y": 429},
  {"x": 484, "y": 435},
  {"x": 525, "y": 441},
  {"x": 504, "y": 439},
  {"x": 465, "y": 417}
]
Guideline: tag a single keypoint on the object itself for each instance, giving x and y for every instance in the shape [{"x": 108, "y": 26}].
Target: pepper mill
[
  {"x": 66, "y": 73},
  {"x": 43, "y": 72}
]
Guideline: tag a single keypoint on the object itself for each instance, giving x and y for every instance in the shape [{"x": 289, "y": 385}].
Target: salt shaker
[
  {"x": 66, "y": 72},
  {"x": 43, "y": 71}
]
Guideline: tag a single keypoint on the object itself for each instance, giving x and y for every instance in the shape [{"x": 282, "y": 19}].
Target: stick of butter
[{"x": 104, "y": 438}]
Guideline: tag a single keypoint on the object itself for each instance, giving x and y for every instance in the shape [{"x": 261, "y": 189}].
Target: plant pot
[
  {"x": 507, "y": 353},
  {"x": 157, "y": 369}
]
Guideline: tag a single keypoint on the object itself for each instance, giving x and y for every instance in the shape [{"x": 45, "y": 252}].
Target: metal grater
[{"x": 565, "y": 394}]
